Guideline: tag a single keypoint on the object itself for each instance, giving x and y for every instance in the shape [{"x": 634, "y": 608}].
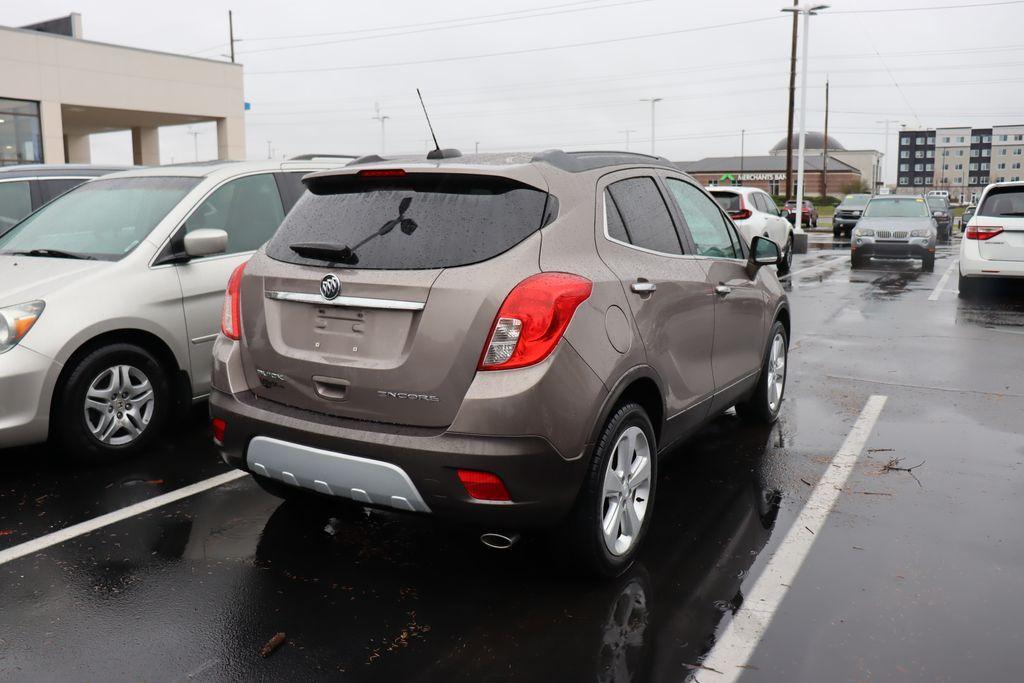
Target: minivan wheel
[
  {"x": 614, "y": 507},
  {"x": 765, "y": 403},
  {"x": 114, "y": 403}
]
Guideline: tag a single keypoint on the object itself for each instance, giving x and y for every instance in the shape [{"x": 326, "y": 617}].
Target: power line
[
  {"x": 923, "y": 9},
  {"x": 430, "y": 29},
  {"x": 507, "y": 53}
]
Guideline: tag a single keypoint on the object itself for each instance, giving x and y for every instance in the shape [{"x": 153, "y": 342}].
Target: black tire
[
  {"x": 928, "y": 264},
  {"x": 758, "y": 408},
  {"x": 584, "y": 533},
  {"x": 787, "y": 257},
  {"x": 857, "y": 262},
  {"x": 967, "y": 287},
  {"x": 837, "y": 232},
  {"x": 70, "y": 417}
]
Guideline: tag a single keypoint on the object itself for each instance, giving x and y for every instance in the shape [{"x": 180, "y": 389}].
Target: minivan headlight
[
  {"x": 863, "y": 232},
  {"x": 16, "y": 321}
]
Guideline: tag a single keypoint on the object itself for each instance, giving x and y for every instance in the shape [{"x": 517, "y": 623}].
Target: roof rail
[
  {"x": 312, "y": 157},
  {"x": 368, "y": 159},
  {"x": 576, "y": 162}
]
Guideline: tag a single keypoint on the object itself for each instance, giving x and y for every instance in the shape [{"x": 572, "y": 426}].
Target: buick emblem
[{"x": 330, "y": 287}]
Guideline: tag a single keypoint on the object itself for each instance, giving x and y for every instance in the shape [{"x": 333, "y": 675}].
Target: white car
[
  {"x": 993, "y": 241},
  {"x": 111, "y": 294},
  {"x": 755, "y": 214}
]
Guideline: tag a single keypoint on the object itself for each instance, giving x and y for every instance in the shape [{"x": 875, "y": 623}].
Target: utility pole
[
  {"x": 792, "y": 101},
  {"x": 824, "y": 152},
  {"x": 231, "y": 35},
  {"x": 270, "y": 154},
  {"x": 195, "y": 141},
  {"x": 476, "y": 147},
  {"x": 653, "y": 101},
  {"x": 627, "y": 131},
  {"x": 380, "y": 117},
  {"x": 743, "y": 140}
]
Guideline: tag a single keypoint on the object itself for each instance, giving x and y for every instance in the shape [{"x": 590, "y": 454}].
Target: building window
[
  {"x": 919, "y": 154},
  {"x": 21, "y": 141},
  {"x": 930, "y": 153},
  {"x": 1016, "y": 164},
  {"x": 1017, "y": 152},
  {"x": 959, "y": 180},
  {"x": 983, "y": 179},
  {"x": 918, "y": 181},
  {"x": 1003, "y": 138},
  {"x": 919, "y": 141},
  {"x": 945, "y": 152},
  {"x": 986, "y": 152},
  {"x": 975, "y": 139},
  {"x": 904, "y": 180},
  {"x": 931, "y": 139},
  {"x": 904, "y": 168},
  {"x": 904, "y": 141},
  {"x": 974, "y": 167},
  {"x": 975, "y": 152},
  {"x": 945, "y": 181},
  {"x": 904, "y": 154},
  {"x": 959, "y": 152},
  {"x": 958, "y": 167},
  {"x": 973, "y": 181},
  {"x": 945, "y": 167},
  {"x": 1000, "y": 179},
  {"x": 960, "y": 138},
  {"x": 1000, "y": 166},
  {"x": 1018, "y": 137},
  {"x": 918, "y": 167},
  {"x": 986, "y": 138},
  {"x": 929, "y": 167},
  {"x": 945, "y": 139},
  {"x": 984, "y": 166},
  {"x": 1015, "y": 179}
]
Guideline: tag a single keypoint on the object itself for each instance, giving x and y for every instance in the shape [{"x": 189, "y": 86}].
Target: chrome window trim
[{"x": 346, "y": 301}]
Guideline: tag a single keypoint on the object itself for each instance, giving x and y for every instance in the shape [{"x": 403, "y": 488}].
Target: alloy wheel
[
  {"x": 776, "y": 372},
  {"x": 119, "y": 404},
  {"x": 627, "y": 487}
]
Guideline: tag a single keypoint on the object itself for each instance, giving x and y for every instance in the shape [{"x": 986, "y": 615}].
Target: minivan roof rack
[
  {"x": 312, "y": 157},
  {"x": 577, "y": 162}
]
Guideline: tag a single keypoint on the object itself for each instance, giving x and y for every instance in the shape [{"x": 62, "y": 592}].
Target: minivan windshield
[
  {"x": 414, "y": 221},
  {"x": 103, "y": 219},
  {"x": 897, "y": 207}
]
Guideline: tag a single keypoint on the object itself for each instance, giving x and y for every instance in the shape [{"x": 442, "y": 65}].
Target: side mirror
[
  {"x": 764, "y": 252},
  {"x": 205, "y": 242}
]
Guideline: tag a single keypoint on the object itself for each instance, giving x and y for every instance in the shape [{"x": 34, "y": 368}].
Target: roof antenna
[{"x": 437, "y": 152}]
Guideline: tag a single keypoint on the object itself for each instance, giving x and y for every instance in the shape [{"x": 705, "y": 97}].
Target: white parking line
[
  {"x": 88, "y": 526},
  {"x": 731, "y": 653},
  {"x": 815, "y": 267},
  {"x": 937, "y": 292}
]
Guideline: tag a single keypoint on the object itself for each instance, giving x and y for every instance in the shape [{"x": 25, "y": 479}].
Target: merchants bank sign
[{"x": 752, "y": 176}]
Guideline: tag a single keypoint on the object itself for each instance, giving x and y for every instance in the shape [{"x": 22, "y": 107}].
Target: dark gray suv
[{"x": 511, "y": 341}]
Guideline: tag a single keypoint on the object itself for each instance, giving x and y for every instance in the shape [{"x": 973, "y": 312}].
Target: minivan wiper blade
[
  {"x": 52, "y": 253},
  {"x": 333, "y": 253}
]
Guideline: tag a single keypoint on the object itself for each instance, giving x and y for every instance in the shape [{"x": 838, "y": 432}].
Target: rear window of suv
[
  {"x": 729, "y": 201},
  {"x": 414, "y": 221},
  {"x": 1003, "y": 201}
]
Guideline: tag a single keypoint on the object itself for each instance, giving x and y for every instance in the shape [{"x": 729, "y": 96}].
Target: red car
[{"x": 810, "y": 217}]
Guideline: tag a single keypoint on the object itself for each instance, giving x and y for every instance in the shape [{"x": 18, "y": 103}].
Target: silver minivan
[{"x": 110, "y": 298}]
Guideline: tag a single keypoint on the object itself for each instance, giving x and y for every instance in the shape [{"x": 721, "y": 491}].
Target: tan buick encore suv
[{"x": 507, "y": 340}]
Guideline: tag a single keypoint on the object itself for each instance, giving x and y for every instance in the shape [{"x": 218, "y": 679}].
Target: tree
[{"x": 856, "y": 187}]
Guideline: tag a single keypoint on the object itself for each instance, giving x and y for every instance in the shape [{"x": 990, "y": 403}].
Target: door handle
[
  {"x": 722, "y": 289},
  {"x": 643, "y": 287}
]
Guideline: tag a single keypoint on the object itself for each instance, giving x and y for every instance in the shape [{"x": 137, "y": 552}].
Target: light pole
[
  {"x": 653, "y": 101},
  {"x": 380, "y": 117},
  {"x": 743, "y": 141},
  {"x": 627, "y": 131},
  {"x": 885, "y": 154},
  {"x": 807, "y": 11}
]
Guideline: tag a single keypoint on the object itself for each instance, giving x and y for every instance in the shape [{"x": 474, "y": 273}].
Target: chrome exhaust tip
[{"x": 498, "y": 541}]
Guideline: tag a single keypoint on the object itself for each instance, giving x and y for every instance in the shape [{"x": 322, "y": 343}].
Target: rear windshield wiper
[
  {"x": 1012, "y": 213},
  {"x": 52, "y": 253},
  {"x": 332, "y": 253}
]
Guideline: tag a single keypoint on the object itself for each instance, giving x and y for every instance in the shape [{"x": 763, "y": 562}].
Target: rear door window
[
  {"x": 15, "y": 203},
  {"x": 414, "y": 221},
  {"x": 248, "y": 209},
  {"x": 53, "y": 188},
  {"x": 645, "y": 215},
  {"x": 755, "y": 198},
  {"x": 708, "y": 227},
  {"x": 769, "y": 205}
]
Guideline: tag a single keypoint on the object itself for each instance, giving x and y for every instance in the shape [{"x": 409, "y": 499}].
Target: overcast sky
[{"x": 537, "y": 74}]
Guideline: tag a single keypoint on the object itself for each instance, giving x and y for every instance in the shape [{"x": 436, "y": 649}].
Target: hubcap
[
  {"x": 119, "y": 405},
  {"x": 627, "y": 486},
  {"x": 776, "y": 372}
]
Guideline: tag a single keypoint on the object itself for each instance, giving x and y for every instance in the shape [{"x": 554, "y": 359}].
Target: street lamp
[
  {"x": 653, "y": 101},
  {"x": 807, "y": 11},
  {"x": 627, "y": 131}
]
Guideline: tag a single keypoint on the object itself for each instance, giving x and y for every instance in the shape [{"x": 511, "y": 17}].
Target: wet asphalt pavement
[{"x": 915, "y": 576}]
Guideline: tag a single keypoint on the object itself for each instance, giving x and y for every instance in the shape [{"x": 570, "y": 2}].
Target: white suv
[
  {"x": 993, "y": 241},
  {"x": 755, "y": 214},
  {"x": 110, "y": 298}
]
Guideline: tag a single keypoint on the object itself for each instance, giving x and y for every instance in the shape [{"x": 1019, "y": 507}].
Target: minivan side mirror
[
  {"x": 205, "y": 242},
  {"x": 764, "y": 252}
]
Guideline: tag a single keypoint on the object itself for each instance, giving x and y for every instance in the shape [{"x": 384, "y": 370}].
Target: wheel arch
[{"x": 642, "y": 385}]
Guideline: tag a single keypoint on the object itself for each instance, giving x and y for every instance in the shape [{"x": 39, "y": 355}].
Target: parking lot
[{"x": 913, "y": 575}]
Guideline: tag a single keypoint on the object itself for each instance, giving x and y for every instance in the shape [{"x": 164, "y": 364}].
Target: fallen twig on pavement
[
  {"x": 894, "y": 466},
  {"x": 272, "y": 644}
]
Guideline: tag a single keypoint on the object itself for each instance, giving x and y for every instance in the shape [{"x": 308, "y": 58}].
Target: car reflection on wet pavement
[{"x": 912, "y": 578}]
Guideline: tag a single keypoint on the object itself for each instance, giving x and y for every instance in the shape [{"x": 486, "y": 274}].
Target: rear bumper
[
  {"x": 26, "y": 380},
  {"x": 972, "y": 265},
  {"x": 406, "y": 468}
]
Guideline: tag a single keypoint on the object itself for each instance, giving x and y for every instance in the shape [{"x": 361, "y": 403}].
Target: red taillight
[
  {"x": 741, "y": 215},
  {"x": 532, "y": 320},
  {"x": 382, "y": 173},
  {"x": 982, "y": 232},
  {"x": 219, "y": 427},
  {"x": 231, "y": 313},
  {"x": 483, "y": 485}
]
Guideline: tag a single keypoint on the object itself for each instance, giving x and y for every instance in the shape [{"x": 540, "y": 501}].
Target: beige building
[
  {"x": 1007, "y": 153},
  {"x": 56, "y": 89}
]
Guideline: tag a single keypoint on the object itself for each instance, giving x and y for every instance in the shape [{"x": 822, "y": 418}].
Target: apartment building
[{"x": 960, "y": 160}]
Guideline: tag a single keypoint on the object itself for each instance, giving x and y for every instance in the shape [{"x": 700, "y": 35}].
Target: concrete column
[
  {"x": 146, "y": 146},
  {"x": 231, "y": 138},
  {"x": 76, "y": 149},
  {"x": 51, "y": 125}
]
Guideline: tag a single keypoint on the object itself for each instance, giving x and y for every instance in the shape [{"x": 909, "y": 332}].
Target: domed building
[
  {"x": 813, "y": 142},
  {"x": 867, "y": 161}
]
